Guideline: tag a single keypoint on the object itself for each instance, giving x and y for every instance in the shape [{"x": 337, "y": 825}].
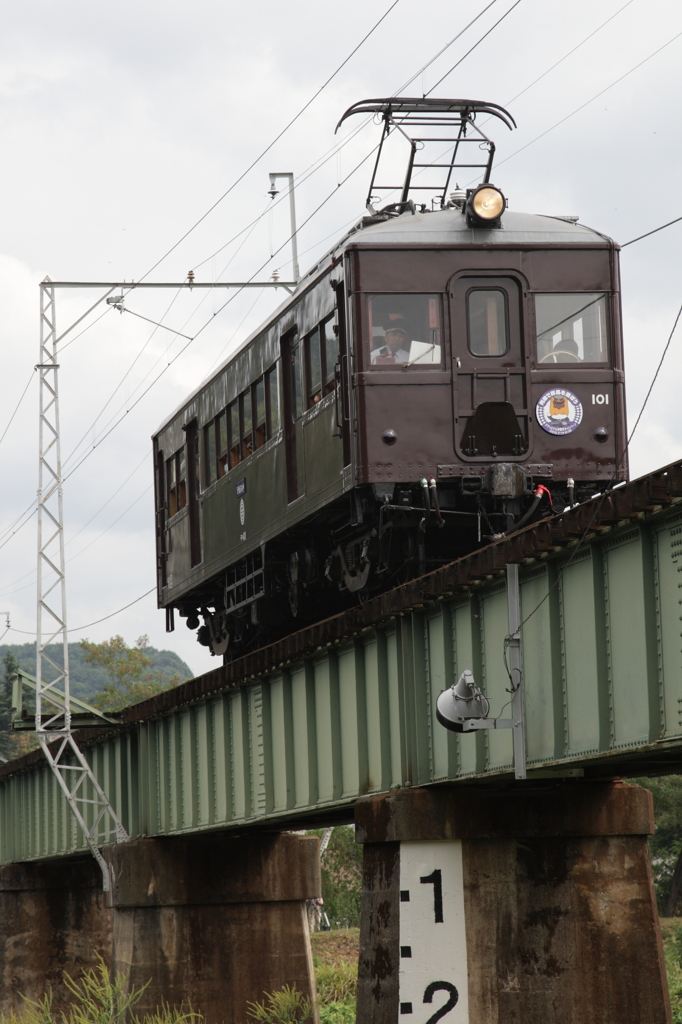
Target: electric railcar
[{"x": 439, "y": 378}]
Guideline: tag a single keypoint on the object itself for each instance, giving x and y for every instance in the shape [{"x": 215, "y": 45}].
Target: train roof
[
  {"x": 438, "y": 228},
  {"x": 449, "y": 227}
]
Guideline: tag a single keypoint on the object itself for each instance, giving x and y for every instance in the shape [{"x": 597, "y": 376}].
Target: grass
[
  {"x": 286, "y": 1006},
  {"x": 98, "y": 999},
  {"x": 335, "y": 957},
  {"x": 671, "y": 930}
]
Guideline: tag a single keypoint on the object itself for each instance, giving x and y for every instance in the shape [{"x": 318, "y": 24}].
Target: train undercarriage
[{"x": 373, "y": 538}]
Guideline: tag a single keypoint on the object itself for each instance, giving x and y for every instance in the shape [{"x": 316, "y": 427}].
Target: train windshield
[
  {"x": 571, "y": 328},
  {"x": 405, "y": 330}
]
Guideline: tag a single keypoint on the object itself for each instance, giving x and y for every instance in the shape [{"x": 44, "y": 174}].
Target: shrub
[{"x": 338, "y": 1013}]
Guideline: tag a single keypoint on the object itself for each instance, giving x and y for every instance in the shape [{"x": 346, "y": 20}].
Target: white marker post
[{"x": 433, "y": 957}]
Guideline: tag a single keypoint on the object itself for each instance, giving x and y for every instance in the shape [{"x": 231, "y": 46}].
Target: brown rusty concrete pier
[
  {"x": 52, "y": 920},
  {"x": 530, "y": 904},
  {"x": 213, "y": 922},
  {"x": 206, "y": 921}
]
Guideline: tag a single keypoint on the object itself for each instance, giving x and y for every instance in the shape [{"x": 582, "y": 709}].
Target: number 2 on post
[{"x": 441, "y": 986}]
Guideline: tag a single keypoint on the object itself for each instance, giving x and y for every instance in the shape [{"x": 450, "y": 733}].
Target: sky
[{"x": 123, "y": 127}]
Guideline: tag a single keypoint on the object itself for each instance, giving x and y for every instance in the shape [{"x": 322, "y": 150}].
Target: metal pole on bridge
[{"x": 513, "y": 646}]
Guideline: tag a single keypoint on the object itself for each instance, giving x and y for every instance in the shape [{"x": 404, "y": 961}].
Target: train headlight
[{"x": 484, "y": 207}]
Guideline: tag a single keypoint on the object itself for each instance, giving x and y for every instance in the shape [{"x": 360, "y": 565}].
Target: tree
[
  {"x": 342, "y": 877},
  {"x": 666, "y": 843},
  {"x": 6, "y": 739},
  {"x": 12, "y": 744},
  {"x": 130, "y": 670}
]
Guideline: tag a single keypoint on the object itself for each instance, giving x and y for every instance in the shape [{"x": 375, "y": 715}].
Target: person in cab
[{"x": 395, "y": 348}]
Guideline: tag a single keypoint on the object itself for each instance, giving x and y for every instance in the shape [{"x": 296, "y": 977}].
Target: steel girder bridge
[{"x": 292, "y": 735}]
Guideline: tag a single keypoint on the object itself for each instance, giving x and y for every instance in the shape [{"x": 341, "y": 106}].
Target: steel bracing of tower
[
  {"x": 54, "y": 707},
  {"x": 86, "y": 798}
]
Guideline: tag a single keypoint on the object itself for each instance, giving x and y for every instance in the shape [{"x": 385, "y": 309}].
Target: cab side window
[
  {"x": 221, "y": 443},
  {"x": 322, "y": 355},
  {"x": 296, "y": 380},
  {"x": 247, "y": 424},
  {"x": 176, "y": 482},
  {"x": 571, "y": 328},
  {"x": 272, "y": 399},
  {"x": 313, "y": 368},
  {"x": 330, "y": 349},
  {"x": 405, "y": 331},
  {"x": 259, "y": 417},
  {"x": 235, "y": 440},
  {"x": 209, "y": 453}
]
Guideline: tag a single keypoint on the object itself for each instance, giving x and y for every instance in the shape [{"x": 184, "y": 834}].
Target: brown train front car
[
  {"x": 488, "y": 360},
  {"x": 488, "y": 376}
]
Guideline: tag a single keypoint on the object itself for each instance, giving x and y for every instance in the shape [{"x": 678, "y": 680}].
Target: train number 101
[{"x": 600, "y": 399}]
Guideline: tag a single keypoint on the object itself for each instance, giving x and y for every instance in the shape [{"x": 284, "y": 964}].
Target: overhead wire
[
  {"x": 330, "y": 153},
  {"x": 567, "y": 55},
  {"x": 591, "y": 100},
  {"x": 161, "y": 356},
  {"x": 655, "y": 230},
  {"x": 16, "y": 408},
  {"x": 111, "y": 525},
  {"x": 184, "y": 348},
  {"x": 77, "y": 629},
  {"x": 548, "y": 70},
  {"x": 364, "y": 159},
  {"x": 274, "y": 141},
  {"x": 80, "y": 334},
  {"x": 6, "y": 536},
  {"x": 4, "y": 591},
  {"x": 259, "y": 296},
  {"x": 478, "y": 43},
  {"x": 270, "y": 206},
  {"x": 446, "y": 47},
  {"x": 120, "y": 383},
  {"x": 337, "y": 147},
  {"x": 268, "y": 148},
  {"x": 286, "y": 242},
  {"x": 165, "y": 327}
]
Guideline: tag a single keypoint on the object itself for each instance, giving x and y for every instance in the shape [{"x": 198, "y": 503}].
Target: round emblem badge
[{"x": 559, "y": 411}]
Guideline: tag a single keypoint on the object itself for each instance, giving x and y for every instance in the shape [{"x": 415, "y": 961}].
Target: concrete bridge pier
[
  {"x": 529, "y": 904},
  {"x": 213, "y": 922},
  {"x": 52, "y": 920}
]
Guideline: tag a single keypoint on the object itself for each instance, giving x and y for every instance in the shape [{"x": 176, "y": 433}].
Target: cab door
[{"x": 488, "y": 356}]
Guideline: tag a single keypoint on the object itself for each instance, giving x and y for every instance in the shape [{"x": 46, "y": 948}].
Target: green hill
[{"x": 87, "y": 680}]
